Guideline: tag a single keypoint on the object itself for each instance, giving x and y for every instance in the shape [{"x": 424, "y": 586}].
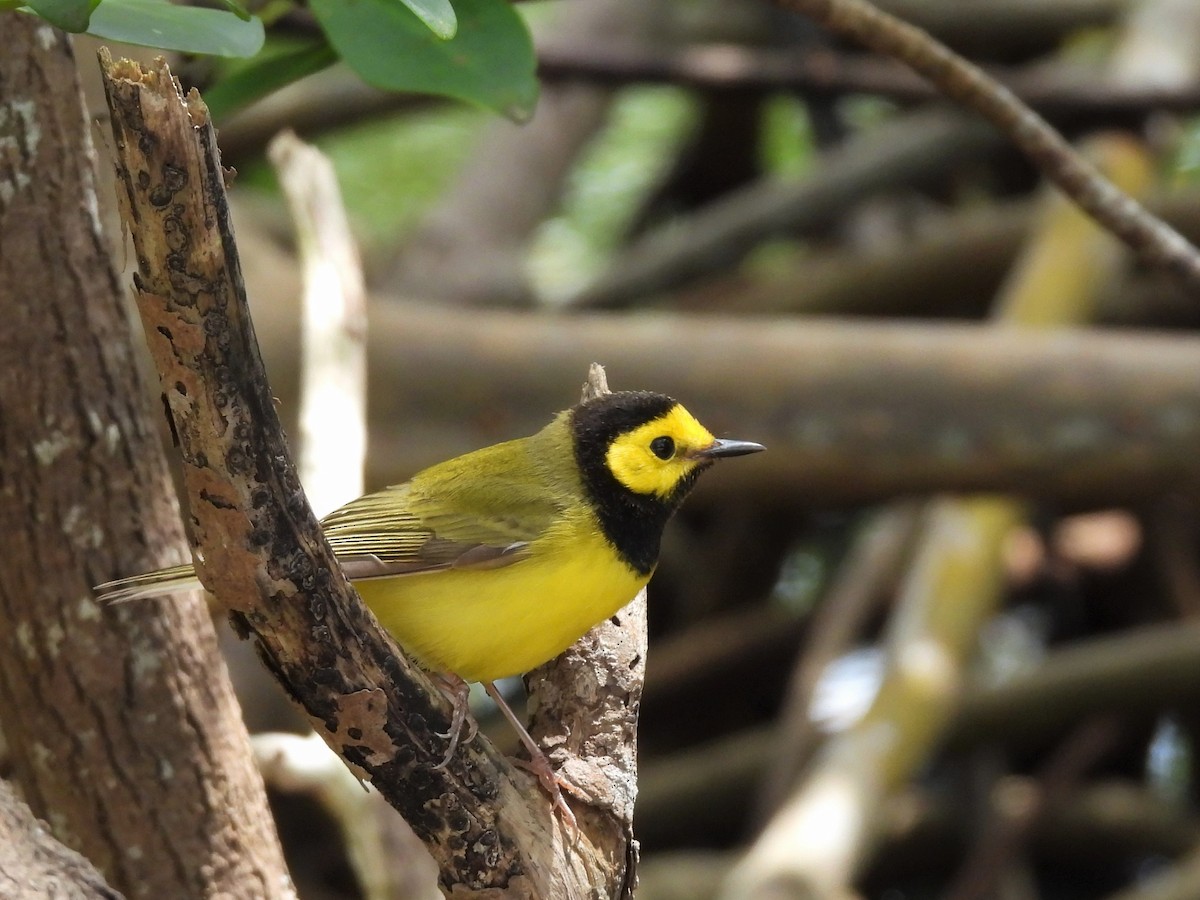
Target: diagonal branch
[
  {"x": 261, "y": 551},
  {"x": 1155, "y": 241}
]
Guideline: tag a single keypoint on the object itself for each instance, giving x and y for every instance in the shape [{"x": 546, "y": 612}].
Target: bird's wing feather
[{"x": 399, "y": 531}]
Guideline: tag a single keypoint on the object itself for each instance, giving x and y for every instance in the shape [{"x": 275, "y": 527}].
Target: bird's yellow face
[{"x": 655, "y": 457}]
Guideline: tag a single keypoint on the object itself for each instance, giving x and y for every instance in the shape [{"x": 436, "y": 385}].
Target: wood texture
[
  {"x": 34, "y": 865},
  {"x": 123, "y": 728},
  {"x": 487, "y": 825}
]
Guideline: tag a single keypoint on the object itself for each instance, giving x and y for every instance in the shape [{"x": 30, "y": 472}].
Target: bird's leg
[
  {"x": 458, "y": 692},
  {"x": 538, "y": 763}
]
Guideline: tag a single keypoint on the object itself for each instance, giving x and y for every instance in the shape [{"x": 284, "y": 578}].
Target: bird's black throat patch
[{"x": 633, "y": 523}]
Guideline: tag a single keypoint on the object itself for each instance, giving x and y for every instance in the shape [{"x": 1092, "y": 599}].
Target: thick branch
[
  {"x": 585, "y": 704},
  {"x": 34, "y": 864},
  {"x": 489, "y": 828},
  {"x": 851, "y": 411}
]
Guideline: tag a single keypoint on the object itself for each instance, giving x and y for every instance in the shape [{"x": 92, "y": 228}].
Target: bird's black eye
[{"x": 662, "y": 447}]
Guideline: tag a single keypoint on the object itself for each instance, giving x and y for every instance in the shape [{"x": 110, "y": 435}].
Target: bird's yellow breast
[{"x": 485, "y": 624}]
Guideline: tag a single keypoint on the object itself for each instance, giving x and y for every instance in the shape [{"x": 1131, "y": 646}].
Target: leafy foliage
[
  {"x": 438, "y": 15},
  {"x": 266, "y": 73},
  {"x": 69, "y": 15},
  {"x": 479, "y": 51},
  {"x": 190, "y": 29},
  {"x": 159, "y": 23},
  {"x": 489, "y": 61}
]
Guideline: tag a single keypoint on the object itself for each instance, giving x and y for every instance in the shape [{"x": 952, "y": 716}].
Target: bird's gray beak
[{"x": 720, "y": 448}]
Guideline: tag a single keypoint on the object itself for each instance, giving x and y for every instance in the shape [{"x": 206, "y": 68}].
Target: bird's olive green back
[{"x": 480, "y": 509}]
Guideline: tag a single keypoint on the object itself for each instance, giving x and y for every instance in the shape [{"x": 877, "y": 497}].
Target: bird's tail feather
[{"x": 150, "y": 584}]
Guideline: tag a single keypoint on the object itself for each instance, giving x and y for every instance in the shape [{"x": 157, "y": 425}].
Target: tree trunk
[{"x": 124, "y": 731}]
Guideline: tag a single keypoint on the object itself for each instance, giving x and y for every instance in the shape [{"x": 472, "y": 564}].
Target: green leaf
[
  {"x": 69, "y": 15},
  {"x": 438, "y": 16},
  {"x": 190, "y": 29},
  {"x": 490, "y": 60},
  {"x": 236, "y": 8},
  {"x": 256, "y": 79}
]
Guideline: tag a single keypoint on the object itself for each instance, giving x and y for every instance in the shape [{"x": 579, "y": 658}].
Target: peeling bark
[{"x": 488, "y": 826}]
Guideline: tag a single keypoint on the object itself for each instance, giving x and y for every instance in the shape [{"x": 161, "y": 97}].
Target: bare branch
[
  {"x": 333, "y": 391},
  {"x": 261, "y": 550},
  {"x": 852, "y": 411},
  {"x": 823, "y": 72},
  {"x": 1155, "y": 241},
  {"x": 34, "y": 864}
]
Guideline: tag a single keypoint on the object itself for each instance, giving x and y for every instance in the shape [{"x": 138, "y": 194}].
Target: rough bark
[
  {"x": 34, "y": 865},
  {"x": 124, "y": 732},
  {"x": 487, "y": 825}
]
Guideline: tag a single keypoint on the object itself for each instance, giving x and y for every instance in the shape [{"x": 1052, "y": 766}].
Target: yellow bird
[{"x": 491, "y": 563}]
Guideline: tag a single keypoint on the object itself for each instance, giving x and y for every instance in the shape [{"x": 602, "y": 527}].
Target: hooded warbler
[{"x": 491, "y": 563}]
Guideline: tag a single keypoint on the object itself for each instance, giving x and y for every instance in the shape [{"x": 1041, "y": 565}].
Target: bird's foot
[
  {"x": 538, "y": 764},
  {"x": 552, "y": 783},
  {"x": 458, "y": 692}
]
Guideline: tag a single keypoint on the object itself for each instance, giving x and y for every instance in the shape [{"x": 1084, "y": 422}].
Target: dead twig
[{"x": 1151, "y": 238}]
